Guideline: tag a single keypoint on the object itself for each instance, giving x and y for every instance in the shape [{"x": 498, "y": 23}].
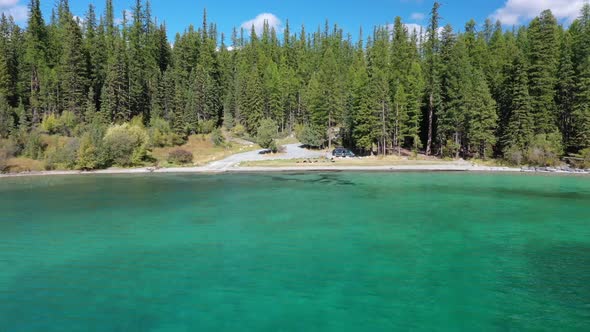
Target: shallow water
[{"x": 295, "y": 252}]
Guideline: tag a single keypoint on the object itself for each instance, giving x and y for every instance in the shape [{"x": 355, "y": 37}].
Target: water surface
[{"x": 295, "y": 252}]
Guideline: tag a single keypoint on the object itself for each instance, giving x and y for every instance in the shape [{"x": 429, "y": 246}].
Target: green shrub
[
  {"x": 33, "y": 145},
  {"x": 8, "y": 150},
  {"x": 126, "y": 144},
  {"x": 239, "y": 130},
  {"x": 217, "y": 137},
  {"x": 311, "y": 135},
  {"x": 207, "y": 127},
  {"x": 585, "y": 155},
  {"x": 6, "y": 118},
  {"x": 267, "y": 132},
  {"x": 62, "y": 155},
  {"x": 451, "y": 149},
  {"x": 545, "y": 150},
  {"x": 50, "y": 124},
  {"x": 180, "y": 157},
  {"x": 514, "y": 155},
  {"x": 67, "y": 123},
  {"x": 161, "y": 134}
]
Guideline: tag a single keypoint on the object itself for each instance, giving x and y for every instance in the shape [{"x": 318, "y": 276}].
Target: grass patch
[{"x": 203, "y": 150}]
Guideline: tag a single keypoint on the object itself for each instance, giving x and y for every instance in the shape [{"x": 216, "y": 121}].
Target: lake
[{"x": 295, "y": 252}]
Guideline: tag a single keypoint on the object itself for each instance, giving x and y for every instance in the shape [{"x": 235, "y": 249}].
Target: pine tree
[
  {"x": 72, "y": 66},
  {"x": 581, "y": 113},
  {"x": 251, "y": 101},
  {"x": 433, "y": 69},
  {"x": 544, "y": 59},
  {"x": 520, "y": 127},
  {"x": 114, "y": 95},
  {"x": 566, "y": 89},
  {"x": 482, "y": 116},
  {"x": 35, "y": 57},
  {"x": 366, "y": 120},
  {"x": 416, "y": 86},
  {"x": 138, "y": 95},
  {"x": 455, "y": 74}
]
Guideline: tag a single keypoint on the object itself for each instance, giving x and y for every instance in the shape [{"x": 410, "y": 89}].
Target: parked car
[{"x": 342, "y": 153}]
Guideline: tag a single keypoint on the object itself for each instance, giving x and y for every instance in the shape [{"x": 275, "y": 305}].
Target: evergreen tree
[
  {"x": 543, "y": 50},
  {"x": 72, "y": 66},
  {"x": 482, "y": 116},
  {"x": 566, "y": 89},
  {"x": 251, "y": 101},
  {"x": 520, "y": 127},
  {"x": 35, "y": 57},
  {"x": 433, "y": 69},
  {"x": 581, "y": 113}
]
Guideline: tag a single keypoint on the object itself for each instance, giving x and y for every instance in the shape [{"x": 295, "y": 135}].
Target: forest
[{"x": 104, "y": 92}]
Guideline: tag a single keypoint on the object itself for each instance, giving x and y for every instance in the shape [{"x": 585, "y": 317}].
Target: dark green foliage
[
  {"x": 62, "y": 154},
  {"x": 266, "y": 134},
  {"x": 217, "y": 137},
  {"x": 180, "y": 157},
  {"x": 543, "y": 50},
  {"x": 312, "y": 136},
  {"x": 126, "y": 144},
  {"x": 6, "y": 118},
  {"x": 520, "y": 125},
  {"x": 479, "y": 93},
  {"x": 545, "y": 150}
]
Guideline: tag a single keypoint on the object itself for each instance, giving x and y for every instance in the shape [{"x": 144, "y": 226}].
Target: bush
[
  {"x": 161, "y": 134},
  {"x": 311, "y": 135},
  {"x": 50, "y": 124},
  {"x": 217, "y": 137},
  {"x": 239, "y": 130},
  {"x": 8, "y": 150},
  {"x": 585, "y": 155},
  {"x": 6, "y": 118},
  {"x": 207, "y": 127},
  {"x": 62, "y": 155},
  {"x": 180, "y": 157},
  {"x": 33, "y": 145},
  {"x": 545, "y": 150},
  {"x": 126, "y": 144},
  {"x": 514, "y": 155},
  {"x": 267, "y": 132},
  {"x": 67, "y": 123},
  {"x": 451, "y": 149},
  {"x": 64, "y": 124}
]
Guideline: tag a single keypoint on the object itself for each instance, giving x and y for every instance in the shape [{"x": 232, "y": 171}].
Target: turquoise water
[{"x": 295, "y": 252}]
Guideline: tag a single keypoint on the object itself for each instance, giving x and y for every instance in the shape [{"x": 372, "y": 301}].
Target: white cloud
[
  {"x": 417, "y": 16},
  {"x": 516, "y": 11},
  {"x": 414, "y": 28},
  {"x": 258, "y": 23},
  {"x": 14, "y": 9},
  {"x": 8, "y": 3}
]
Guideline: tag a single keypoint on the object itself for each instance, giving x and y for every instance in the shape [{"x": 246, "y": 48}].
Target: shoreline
[{"x": 237, "y": 170}]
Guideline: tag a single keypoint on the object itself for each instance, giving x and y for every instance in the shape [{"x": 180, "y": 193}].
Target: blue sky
[{"x": 350, "y": 15}]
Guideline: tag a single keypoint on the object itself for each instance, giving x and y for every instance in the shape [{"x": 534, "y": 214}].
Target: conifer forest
[{"x": 111, "y": 89}]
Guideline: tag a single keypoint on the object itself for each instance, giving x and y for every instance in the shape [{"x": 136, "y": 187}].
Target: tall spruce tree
[
  {"x": 543, "y": 48},
  {"x": 432, "y": 74}
]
